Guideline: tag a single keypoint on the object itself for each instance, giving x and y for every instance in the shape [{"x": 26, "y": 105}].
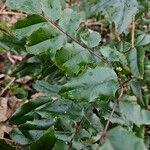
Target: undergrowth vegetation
[{"x": 90, "y": 60}]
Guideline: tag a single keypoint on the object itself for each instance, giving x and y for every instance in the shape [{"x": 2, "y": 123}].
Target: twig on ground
[
  {"x": 3, "y": 7},
  {"x": 7, "y": 87},
  {"x": 12, "y": 13}
]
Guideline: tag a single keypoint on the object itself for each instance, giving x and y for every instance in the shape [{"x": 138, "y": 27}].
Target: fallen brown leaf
[
  {"x": 4, "y": 110},
  {"x": 37, "y": 95},
  {"x": 4, "y": 128},
  {"x": 18, "y": 58},
  {"x": 7, "y": 106},
  {"x": 24, "y": 79},
  {"x": 2, "y": 76}
]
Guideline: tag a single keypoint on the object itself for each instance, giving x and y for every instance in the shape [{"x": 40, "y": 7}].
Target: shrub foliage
[{"x": 96, "y": 92}]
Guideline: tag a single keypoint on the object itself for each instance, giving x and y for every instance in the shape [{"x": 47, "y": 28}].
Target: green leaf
[
  {"x": 52, "y": 9},
  {"x": 72, "y": 58},
  {"x": 45, "y": 87},
  {"x": 19, "y": 137},
  {"x": 26, "y": 26},
  {"x": 115, "y": 137},
  {"x": 60, "y": 145},
  {"x": 10, "y": 43},
  {"x": 124, "y": 46},
  {"x": 19, "y": 92},
  {"x": 99, "y": 82},
  {"x": 19, "y": 115},
  {"x": 92, "y": 40},
  {"x": 143, "y": 39},
  {"x": 147, "y": 71},
  {"x": 69, "y": 21},
  {"x": 94, "y": 121},
  {"x": 41, "y": 124},
  {"x": 46, "y": 142},
  {"x": 113, "y": 55},
  {"x": 141, "y": 58},
  {"x": 136, "y": 86},
  {"x": 62, "y": 107},
  {"x": 120, "y": 11},
  {"x": 31, "y": 131},
  {"x": 134, "y": 113},
  {"x": 27, "y": 6},
  {"x": 134, "y": 61},
  {"x": 43, "y": 40}
]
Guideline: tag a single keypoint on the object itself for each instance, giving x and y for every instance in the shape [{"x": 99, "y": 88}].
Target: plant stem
[
  {"x": 75, "y": 40},
  {"x": 76, "y": 131},
  {"x": 103, "y": 134},
  {"x": 133, "y": 33}
]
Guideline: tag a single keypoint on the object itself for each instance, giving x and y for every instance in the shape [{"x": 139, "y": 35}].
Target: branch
[
  {"x": 133, "y": 32},
  {"x": 12, "y": 13},
  {"x": 61, "y": 30},
  {"x": 75, "y": 40},
  {"x": 103, "y": 134},
  {"x": 77, "y": 129},
  {"x": 75, "y": 132}
]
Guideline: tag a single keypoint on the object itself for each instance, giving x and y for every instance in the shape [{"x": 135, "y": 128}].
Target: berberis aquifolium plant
[{"x": 96, "y": 90}]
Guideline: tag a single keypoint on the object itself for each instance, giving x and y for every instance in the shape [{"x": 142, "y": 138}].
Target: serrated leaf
[
  {"x": 134, "y": 113},
  {"x": 62, "y": 107},
  {"x": 133, "y": 62},
  {"x": 66, "y": 137},
  {"x": 147, "y": 71},
  {"x": 94, "y": 121},
  {"x": 136, "y": 61},
  {"x": 69, "y": 21},
  {"x": 43, "y": 40},
  {"x": 143, "y": 39},
  {"x": 45, "y": 87},
  {"x": 118, "y": 134},
  {"x": 113, "y": 55},
  {"x": 27, "y": 6},
  {"x": 31, "y": 131},
  {"x": 52, "y": 9},
  {"x": 141, "y": 58},
  {"x": 42, "y": 124},
  {"x": 20, "y": 114},
  {"x": 28, "y": 25},
  {"x": 10, "y": 43},
  {"x": 136, "y": 86},
  {"x": 92, "y": 40},
  {"x": 121, "y": 11},
  {"x": 19, "y": 137},
  {"x": 72, "y": 58},
  {"x": 60, "y": 145},
  {"x": 46, "y": 142},
  {"x": 99, "y": 82},
  {"x": 124, "y": 46}
]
